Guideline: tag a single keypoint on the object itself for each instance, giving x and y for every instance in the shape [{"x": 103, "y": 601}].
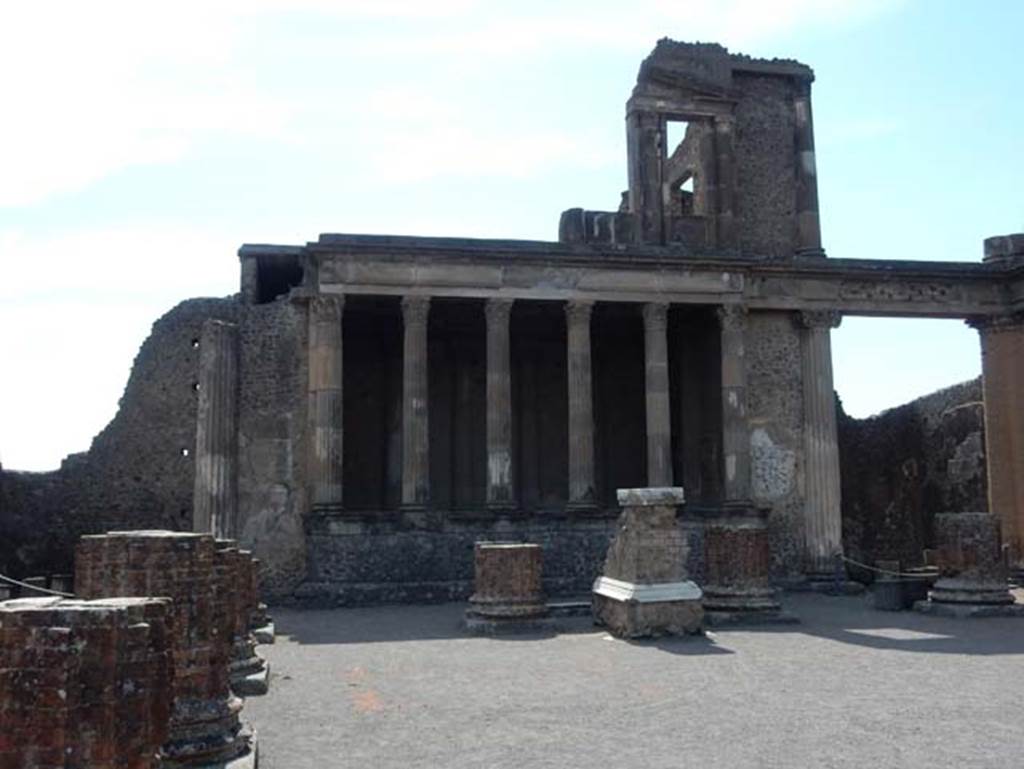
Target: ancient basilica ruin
[
  {"x": 643, "y": 408},
  {"x": 367, "y": 407}
]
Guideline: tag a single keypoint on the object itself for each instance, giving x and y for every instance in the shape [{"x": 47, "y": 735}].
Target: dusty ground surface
[{"x": 848, "y": 687}]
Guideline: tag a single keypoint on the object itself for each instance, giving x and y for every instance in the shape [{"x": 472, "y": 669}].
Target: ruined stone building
[{"x": 369, "y": 406}]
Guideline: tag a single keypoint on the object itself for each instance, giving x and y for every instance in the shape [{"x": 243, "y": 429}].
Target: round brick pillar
[
  {"x": 737, "y": 558},
  {"x": 970, "y": 560},
  {"x": 507, "y": 583},
  {"x": 205, "y": 727}
]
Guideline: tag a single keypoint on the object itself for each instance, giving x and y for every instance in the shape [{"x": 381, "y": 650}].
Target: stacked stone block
[
  {"x": 205, "y": 729},
  {"x": 85, "y": 683}
]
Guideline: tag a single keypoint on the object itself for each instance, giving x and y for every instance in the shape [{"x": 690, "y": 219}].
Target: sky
[{"x": 142, "y": 143}]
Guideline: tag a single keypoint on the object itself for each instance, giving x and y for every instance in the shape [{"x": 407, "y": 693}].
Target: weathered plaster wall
[
  {"x": 135, "y": 474},
  {"x": 902, "y": 467},
  {"x": 775, "y": 409}
]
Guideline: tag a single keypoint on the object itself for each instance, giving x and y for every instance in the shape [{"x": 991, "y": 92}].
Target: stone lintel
[
  {"x": 649, "y": 497},
  {"x": 621, "y": 590}
]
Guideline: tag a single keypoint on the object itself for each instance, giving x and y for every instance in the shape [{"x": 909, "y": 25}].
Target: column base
[
  {"x": 631, "y": 610},
  {"x": 969, "y": 610}
]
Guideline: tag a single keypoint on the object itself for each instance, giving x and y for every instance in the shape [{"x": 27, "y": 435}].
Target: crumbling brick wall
[{"x": 904, "y": 466}]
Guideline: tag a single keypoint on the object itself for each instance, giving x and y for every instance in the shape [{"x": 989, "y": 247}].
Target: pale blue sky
[{"x": 142, "y": 144}]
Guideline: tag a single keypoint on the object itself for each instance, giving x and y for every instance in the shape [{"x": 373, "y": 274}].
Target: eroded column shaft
[
  {"x": 499, "y": 405},
  {"x": 822, "y": 505},
  {"x": 215, "y": 495},
  {"x": 415, "y": 412},
  {"x": 659, "y": 423},
  {"x": 581, "y": 405},
  {"x": 325, "y": 400},
  {"x": 1002, "y": 366},
  {"x": 735, "y": 432}
]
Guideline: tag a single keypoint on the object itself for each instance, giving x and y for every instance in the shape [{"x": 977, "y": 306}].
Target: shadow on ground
[{"x": 846, "y": 620}]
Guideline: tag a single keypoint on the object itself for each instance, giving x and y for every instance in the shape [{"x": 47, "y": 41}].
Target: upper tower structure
[{"x": 741, "y": 179}]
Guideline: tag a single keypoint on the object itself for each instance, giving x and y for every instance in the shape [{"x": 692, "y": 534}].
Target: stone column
[
  {"x": 645, "y": 139},
  {"x": 808, "y": 225},
  {"x": 581, "y": 406},
  {"x": 659, "y": 421},
  {"x": 1002, "y": 369},
  {"x": 725, "y": 177},
  {"x": 822, "y": 510},
  {"x": 215, "y": 494},
  {"x": 735, "y": 432},
  {"x": 415, "y": 413},
  {"x": 325, "y": 400},
  {"x": 500, "y": 495}
]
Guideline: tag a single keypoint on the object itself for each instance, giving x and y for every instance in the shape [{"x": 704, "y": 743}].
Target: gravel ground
[{"x": 401, "y": 686}]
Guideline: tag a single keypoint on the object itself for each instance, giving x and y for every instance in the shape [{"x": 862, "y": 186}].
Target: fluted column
[
  {"x": 823, "y": 524},
  {"x": 500, "y": 493},
  {"x": 659, "y": 422},
  {"x": 808, "y": 225},
  {"x": 735, "y": 432},
  {"x": 215, "y": 495},
  {"x": 415, "y": 412},
  {"x": 581, "y": 405},
  {"x": 1002, "y": 376},
  {"x": 325, "y": 400}
]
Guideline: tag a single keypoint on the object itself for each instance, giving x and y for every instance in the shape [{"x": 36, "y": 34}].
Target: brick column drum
[
  {"x": 84, "y": 683},
  {"x": 249, "y": 671},
  {"x": 205, "y": 728},
  {"x": 508, "y": 591},
  {"x": 737, "y": 558},
  {"x": 215, "y": 496},
  {"x": 972, "y": 572}
]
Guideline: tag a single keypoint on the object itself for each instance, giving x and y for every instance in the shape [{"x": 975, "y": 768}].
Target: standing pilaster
[
  {"x": 415, "y": 412},
  {"x": 725, "y": 215},
  {"x": 659, "y": 423},
  {"x": 735, "y": 433},
  {"x": 645, "y": 148},
  {"x": 823, "y": 523},
  {"x": 581, "y": 405},
  {"x": 500, "y": 493},
  {"x": 325, "y": 400},
  {"x": 215, "y": 495},
  {"x": 1002, "y": 376},
  {"x": 808, "y": 224}
]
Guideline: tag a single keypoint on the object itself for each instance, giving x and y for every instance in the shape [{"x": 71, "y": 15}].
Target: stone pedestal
[
  {"x": 737, "y": 558},
  {"x": 508, "y": 594},
  {"x": 205, "y": 729},
  {"x": 643, "y": 589},
  {"x": 972, "y": 569},
  {"x": 84, "y": 683}
]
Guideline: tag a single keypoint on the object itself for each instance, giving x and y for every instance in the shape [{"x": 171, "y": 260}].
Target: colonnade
[{"x": 821, "y": 458}]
